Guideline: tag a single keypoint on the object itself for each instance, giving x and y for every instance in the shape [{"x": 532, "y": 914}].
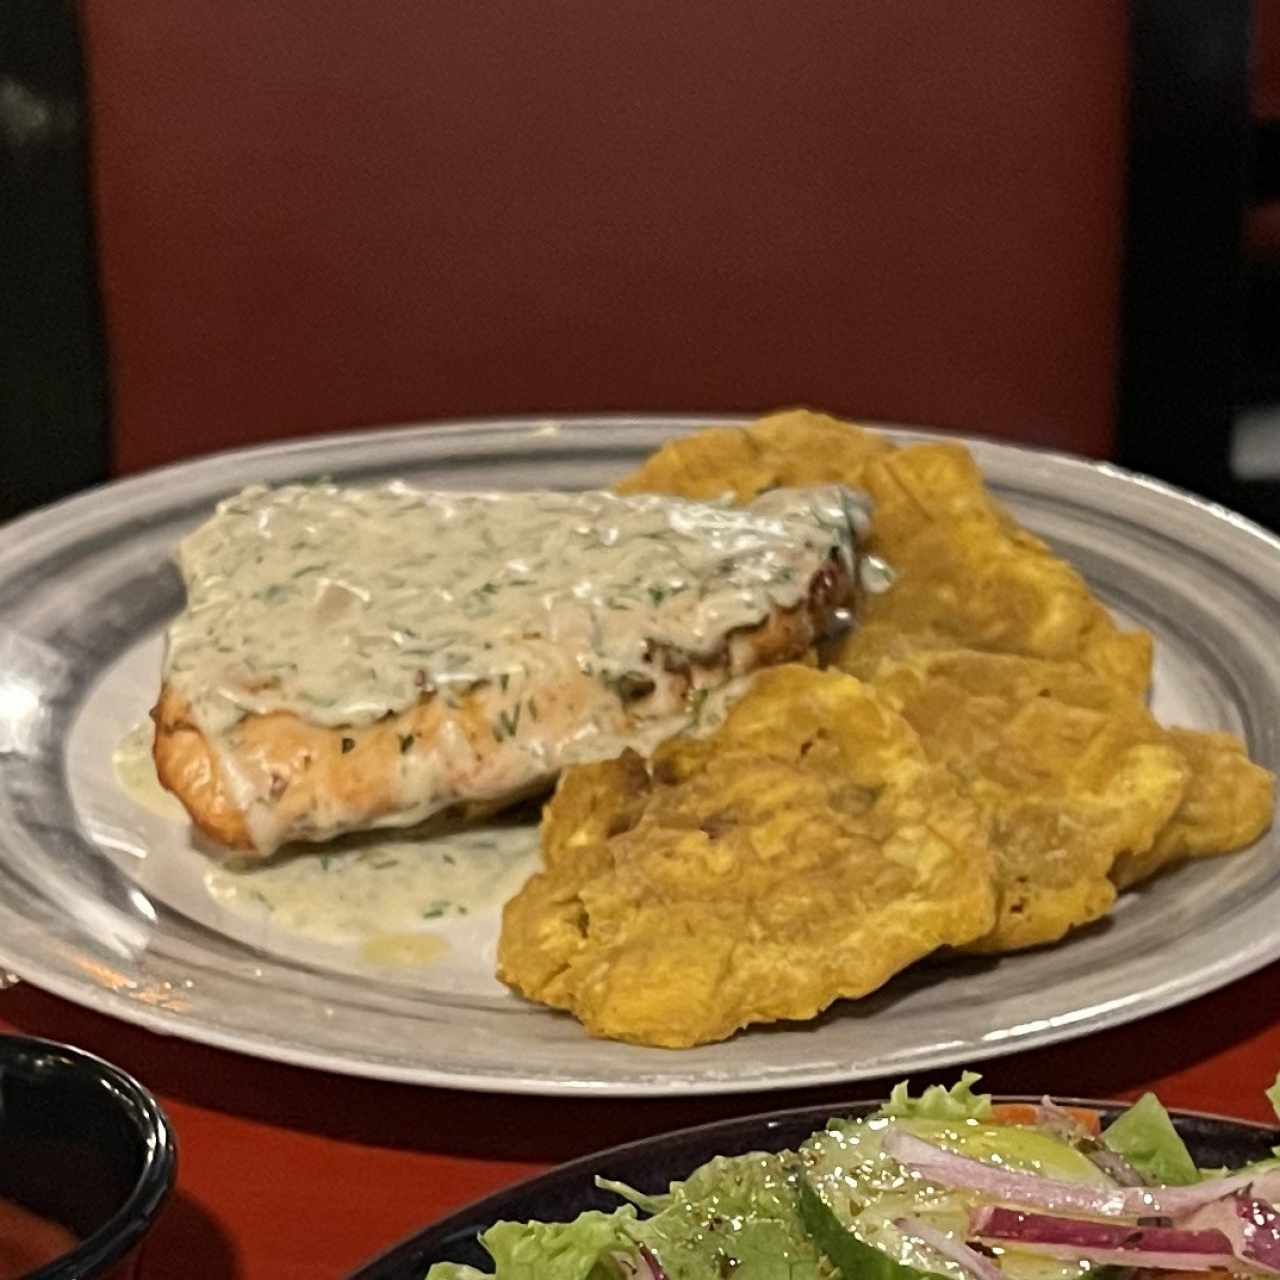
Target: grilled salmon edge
[{"x": 187, "y": 765}]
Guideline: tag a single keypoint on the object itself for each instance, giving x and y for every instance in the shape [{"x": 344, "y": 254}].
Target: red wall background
[
  {"x": 1266, "y": 59},
  {"x": 326, "y": 214}
]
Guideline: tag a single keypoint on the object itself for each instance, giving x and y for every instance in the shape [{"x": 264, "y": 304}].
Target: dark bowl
[
  {"x": 652, "y": 1163},
  {"x": 85, "y": 1146}
]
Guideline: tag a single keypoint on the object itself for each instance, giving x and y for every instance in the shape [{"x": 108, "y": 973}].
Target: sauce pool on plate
[
  {"x": 369, "y": 890},
  {"x": 135, "y": 771},
  {"x": 392, "y": 895}
]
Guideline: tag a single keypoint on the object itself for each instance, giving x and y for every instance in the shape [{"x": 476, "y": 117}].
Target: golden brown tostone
[
  {"x": 682, "y": 902},
  {"x": 806, "y": 852}
]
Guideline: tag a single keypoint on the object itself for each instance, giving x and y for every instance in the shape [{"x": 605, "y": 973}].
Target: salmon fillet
[{"x": 259, "y": 758}]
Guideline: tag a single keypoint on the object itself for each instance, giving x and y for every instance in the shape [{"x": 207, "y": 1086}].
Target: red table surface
[{"x": 286, "y": 1173}]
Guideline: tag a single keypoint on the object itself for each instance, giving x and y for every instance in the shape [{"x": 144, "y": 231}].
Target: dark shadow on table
[
  {"x": 1111, "y": 1063},
  {"x": 188, "y": 1242}
]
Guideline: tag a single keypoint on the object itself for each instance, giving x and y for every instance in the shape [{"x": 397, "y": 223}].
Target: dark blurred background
[{"x": 227, "y": 221}]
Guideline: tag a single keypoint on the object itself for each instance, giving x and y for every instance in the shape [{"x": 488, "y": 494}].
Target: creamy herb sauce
[
  {"x": 386, "y": 895},
  {"x": 135, "y": 770},
  {"x": 342, "y": 605},
  {"x": 558, "y": 613},
  {"x": 380, "y": 892}
]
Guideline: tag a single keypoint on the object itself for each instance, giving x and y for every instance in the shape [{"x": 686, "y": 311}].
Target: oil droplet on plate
[
  {"x": 404, "y": 950},
  {"x": 135, "y": 772}
]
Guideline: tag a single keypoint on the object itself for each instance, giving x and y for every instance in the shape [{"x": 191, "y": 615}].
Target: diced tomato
[{"x": 1029, "y": 1114}]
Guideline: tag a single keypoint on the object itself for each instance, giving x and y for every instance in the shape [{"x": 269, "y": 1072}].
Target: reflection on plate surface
[{"x": 105, "y": 901}]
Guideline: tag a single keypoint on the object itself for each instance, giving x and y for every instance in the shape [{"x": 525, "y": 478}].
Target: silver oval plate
[{"x": 106, "y": 904}]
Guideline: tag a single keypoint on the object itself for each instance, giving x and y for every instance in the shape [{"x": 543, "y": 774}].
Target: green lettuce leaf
[
  {"x": 757, "y": 1183},
  {"x": 936, "y": 1103},
  {"x": 1144, "y": 1135},
  {"x": 641, "y": 1199},
  {"x": 734, "y": 1214},
  {"x": 555, "y": 1250},
  {"x": 694, "y": 1246}
]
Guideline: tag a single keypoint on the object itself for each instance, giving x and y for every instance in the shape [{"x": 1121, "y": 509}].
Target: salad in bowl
[{"x": 945, "y": 1186}]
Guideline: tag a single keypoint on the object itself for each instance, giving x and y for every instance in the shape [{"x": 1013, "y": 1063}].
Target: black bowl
[
  {"x": 83, "y": 1145},
  {"x": 652, "y": 1163}
]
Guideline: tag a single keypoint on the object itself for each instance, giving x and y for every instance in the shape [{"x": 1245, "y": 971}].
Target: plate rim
[
  {"x": 455, "y": 1219},
  {"x": 532, "y": 423},
  {"x": 503, "y": 429}
]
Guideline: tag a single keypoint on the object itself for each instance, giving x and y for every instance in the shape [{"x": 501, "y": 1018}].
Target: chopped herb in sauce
[
  {"x": 321, "y": 602},
  {"x": 507, "y": 724},
  {"x": 698, "y": 700}
]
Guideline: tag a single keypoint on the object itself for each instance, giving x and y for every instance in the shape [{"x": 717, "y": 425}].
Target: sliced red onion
[
  {"x": 653, "y": 1267},
  {"x": 1076, "y": 1239},
  {"x": 1116, "y": 1167},
  {"x": 1264, "y": 1184},
  {"x": 1262, "y": 1231},
  {"x": 1060, "y": 1121},
  {"x": 994, "y": 1222},
  {"x": 641, "y": 1265},
  {"x": 1146, "y": 1259},
  {"x": 950, "y": 1170},
  {"x": 1250, "y": 1224},
  {"x": 1267, "y": 1185},
  {"x": 970, "y": 1260}
]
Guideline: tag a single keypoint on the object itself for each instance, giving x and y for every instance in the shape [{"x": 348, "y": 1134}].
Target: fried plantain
[
  {"x": 805, "y": 852},
  {"x": 1229, "y": 803},
  {"x": 1073, "y": 775},
  {"x": 967, "y": 573},
  {"x": 790, "y": 449}
]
